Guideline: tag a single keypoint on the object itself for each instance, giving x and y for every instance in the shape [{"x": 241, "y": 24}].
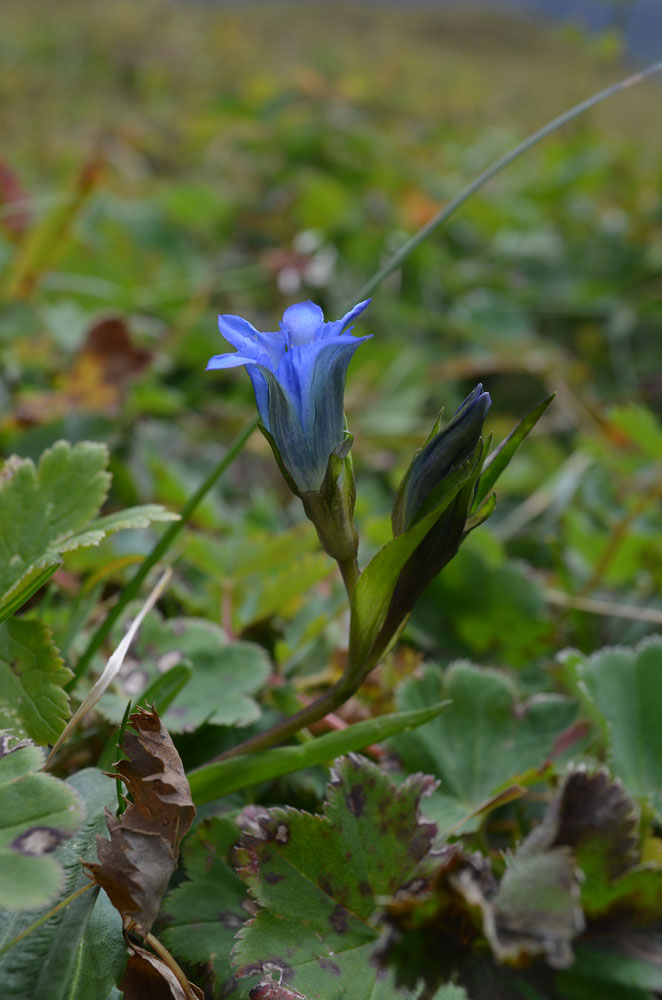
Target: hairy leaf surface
[
  {"x": 317, "y": 880},
  {"x": 481, "y": 744},
  {"x": 47, "y": 509},
  {"x": 33, "y": 701},
  {"x": 224, "y": 675},
  {"x": 79, "y": 952},
  {"x": 621, "y": 689},
  {"x": 205, "y": 913},
  {"x": 37, "y": 812}
]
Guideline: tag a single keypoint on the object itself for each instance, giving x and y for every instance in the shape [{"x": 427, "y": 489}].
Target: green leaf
[
  {"x": 621, "y": 689},
  {"x": 28, "y": 586},
  {"x": 77, "y": 953},
  {"x": 204, "y": 913},
  {"x": 222, "y": 675},
  {"x": 100, "y": 956},
  {"x": 483, "y": 743},
  {"x": 48, "y": 509},
  {"x": 318, "y": 881},
  {"x": 372, "y": 596},
  {"x": 33, "y": 701},
  {"x": 40, "y": 507},
  {"x": 225, "y": 776},
  {"x": 121, "y": 520},
  {"x": 502, "y": 455},
  {"x": 37, "y": 812}
]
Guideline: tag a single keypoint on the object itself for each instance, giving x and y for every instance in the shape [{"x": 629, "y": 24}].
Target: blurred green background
[{"x": 162, "y": 163}]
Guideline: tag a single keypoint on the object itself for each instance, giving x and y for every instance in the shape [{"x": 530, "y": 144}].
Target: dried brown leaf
[
  {"x": 136, "y": 864},
  {"x": 147, "y": 976}
]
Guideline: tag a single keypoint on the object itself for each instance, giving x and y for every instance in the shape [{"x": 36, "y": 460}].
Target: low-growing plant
[{"x": 370, "y": 822}]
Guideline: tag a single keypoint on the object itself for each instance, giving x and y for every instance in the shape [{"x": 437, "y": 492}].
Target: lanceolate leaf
[
  {"x": 501, "y": 457},
  {"x": 318, "y": 879},
  {"x": 136, "y": 864},
  {"x": 226, "y": 776},
  {"x": 371, "y": 602},
  {"x": 37, "y": 812},
  {"x": 33, "y": 701}
]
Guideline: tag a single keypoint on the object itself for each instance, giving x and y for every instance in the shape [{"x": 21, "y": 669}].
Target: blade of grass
[
  {"x": 165, "y": 541},
  {"x": 394, "y": 262},
  {"x": 112, "y": 668},
  {"x": 212, "y": 781}
]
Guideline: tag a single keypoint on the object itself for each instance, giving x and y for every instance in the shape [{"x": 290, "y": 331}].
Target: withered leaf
[
  {"x": 147, "y": 976},
  {"x": 135, "y": 865}
]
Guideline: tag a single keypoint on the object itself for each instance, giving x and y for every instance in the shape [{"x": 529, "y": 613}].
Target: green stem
[
  {"x": 336, "y": 696},
  {"x": 133, "y": 587},
  {"x": 452, "y": 206},
  {"x": 350, "y": 573},
  {"x": 46, "y": 916}
]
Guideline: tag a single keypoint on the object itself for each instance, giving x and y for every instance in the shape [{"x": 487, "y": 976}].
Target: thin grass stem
[
  {"x": 398, "y": 258},
  {"x": 165, "y": 541}
]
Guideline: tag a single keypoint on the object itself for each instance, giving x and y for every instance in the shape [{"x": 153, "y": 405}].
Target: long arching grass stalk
[{"x": 398, "y": 258}]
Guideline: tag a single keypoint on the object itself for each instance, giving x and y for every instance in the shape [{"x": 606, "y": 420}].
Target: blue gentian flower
[{"x": 298, "y": 376}]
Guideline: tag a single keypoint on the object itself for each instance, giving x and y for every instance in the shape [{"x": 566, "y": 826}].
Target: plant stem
[
  {"x": 172, "y": 964},
  {"x": 336, "y": 696},
  {"x": 350, "y": 573},
  {"x": 463, "y": 196},
  {"x": 46, "y": 916},
  {"x": 159, "y": 550}
]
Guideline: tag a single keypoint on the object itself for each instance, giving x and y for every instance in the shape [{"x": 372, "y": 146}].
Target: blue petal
[
  {"x": 312, "y": 379},
  {"x": 261, "y": 390},
  {"x": 265, "y": 347},
  {"x": 306, "y": 467},
  {"x": 228, "y": 361},
  {"x": 240, "y": 333},
  {"x": 301, "y": 322},
  {"x": 335, "y": 329}
]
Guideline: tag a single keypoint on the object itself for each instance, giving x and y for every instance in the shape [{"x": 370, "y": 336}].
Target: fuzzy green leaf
[
  {"x": 318, "y": 880},
  {"x": 621, "y": 689},
  {"x": 222, "y": 680},
  {"x": 48, "y": 509},
  {"x": 483, "y": 743},
  {"x": 205, "y": 912},
  {"x": 79, "y": 952},
  {"x": 37, "y": 812},
  {"x": 33, "y": 701}
]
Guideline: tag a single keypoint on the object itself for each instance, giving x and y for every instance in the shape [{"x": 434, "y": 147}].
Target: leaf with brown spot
[
  {"x": 136, "y": 864},
  {"x": 318, "y": 881}
]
